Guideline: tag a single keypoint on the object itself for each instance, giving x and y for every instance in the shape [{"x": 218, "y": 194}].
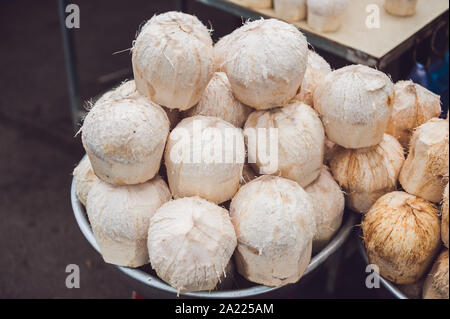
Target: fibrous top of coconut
[
  {"x": 413, "y": 105},
  {"x": 400, "y": 226},
  {"x": 124, "y": 130},
  {"x": 328, "y": 7},
  {"x": 170, "y": 23},
  {"x": 356, "y": 94},
  {"x": 190, "y": 243}
]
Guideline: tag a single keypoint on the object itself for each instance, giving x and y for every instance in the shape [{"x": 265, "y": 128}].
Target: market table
[{"x": 354, "y": 41}]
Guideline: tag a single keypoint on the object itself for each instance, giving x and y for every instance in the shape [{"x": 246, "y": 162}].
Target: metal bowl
[
  {"x": 390, "y": 287},
  {"x": 149, "y": 284}
]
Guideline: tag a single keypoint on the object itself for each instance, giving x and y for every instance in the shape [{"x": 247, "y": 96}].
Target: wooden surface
[{"x": 377, "y": 43}]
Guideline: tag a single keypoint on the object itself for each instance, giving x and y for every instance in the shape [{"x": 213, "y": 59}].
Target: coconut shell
[
  {"x": 218, "y": 100},
  {"x": 367, "y": 174},
  {"x": 402, "y": 236},
  {"x": 190, "y": 242},
  {"x": 413, "y": 106},
  {"x": 355, "y": 104},
  {"x": 173, "y": 60},
  {"x": 425, "y": 173},
  {"x": 436, "y": 283},
  {"x": 300, "y": 142},
  {"x": 274, "y": 222},
  {"x": 266, "y": 63}
]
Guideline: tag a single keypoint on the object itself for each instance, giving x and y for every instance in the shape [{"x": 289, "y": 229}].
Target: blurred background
[{"x": 38, "y": 233}]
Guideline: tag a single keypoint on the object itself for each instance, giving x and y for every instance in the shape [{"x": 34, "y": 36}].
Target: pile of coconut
[{"x": 214, "y": 158}]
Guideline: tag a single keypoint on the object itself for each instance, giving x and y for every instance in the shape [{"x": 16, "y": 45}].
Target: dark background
[{"x": 38, "y": 233}]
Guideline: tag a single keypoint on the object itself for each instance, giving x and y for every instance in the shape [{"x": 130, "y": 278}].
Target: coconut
[
  {"x": 402, "y": 236},
  {"x": 266, "y": 62},
  {"x": 84, "y": 179},
  {"x": 257, "y": 4},
  {"x": 173, "y": 60},
  {"x": 120, "y": 217},
  {"x": 190, "y": 242},
  {"x": 355, "y": 103},
  {"x": 220, "y": 52},
  {"x": 218, "y": 100},
  {"x": 413, "y": 105},
  {"x": 366, "y": 174},
  {"x": 329, "y": 149},
  {"x": 326, "y": 15},
  {"x": 329, "y": 203},
  {"x": 204, "y": 157},
  {"x": 290, "y": 10},
  {"x": 425, "y": 173},
  {"x": 127, "y": 90},
  {"x": 436, "y": 283},
  {"x": 274, "y": 222},
  {"x": 124, "y": 139},
  {"x": 412, "y": 291},
  {"x": 400, "y": 8},
  {"x": 248, "y": 174},
  {"x": 444, "y": 222},
  {"x": 300, "y": 142},
  {"x": 316, "y": 71}
]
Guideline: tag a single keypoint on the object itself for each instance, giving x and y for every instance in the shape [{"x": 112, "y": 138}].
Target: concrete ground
[{"x": 38, "y": 233}]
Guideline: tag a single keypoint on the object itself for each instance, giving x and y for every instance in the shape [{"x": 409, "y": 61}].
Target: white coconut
[
  {"x": 204, "y": 157},
  {"x": 355, "y": 103},
  {"x": 300, "y": 142},
  {"x": 220, "y": 53},
  {"x": 218, "y": 100},
  {"x": 190, "y": 242},
  {"x": 436, "y": 283},
  {"x": 124, "y": 139},
  {"x": 425, "y": 173},
  {"x": 128, "y": 90},
  {"x": 444, "y": 222},
  {"x": 257, "y": 4},
  {"x": 400, "y": 8},
  {"x": 84, "y": 179},
  {"x": 173, "y": 60},
  {"x": 316, "y": 71},
  {"x": 329, "y": 203},
  {"x": 274, "y": 222},
  {"x": 290, "y": 10},
  {"x": 266, "y": 62},
  {"x": 366, "y": 174},
  {"x": 402, "y": 236},
  {"x": 326, "y": 15},
  {"x": 413, "y": 106},
  {"x": 120, "y": 217}
]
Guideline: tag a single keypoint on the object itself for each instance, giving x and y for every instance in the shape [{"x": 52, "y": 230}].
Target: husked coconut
[
  {"x": 274, "y": 222},
  {"x": 125, "y": 138},
  {"x": 290, "y": 10},
  {"x": 173, "y": 60},
  {"x": 127, "y": 90},
  {"x": 402, "y": 236},
  {"x": 326, "y": 15},
  {"x": 190, "y": 243},
  {"x": 218, "y": 100},
  {"x": 248, "y": 174},
  {"x": 425, "y": 173},
  {"x": 444, "y": 223},
  {"x": 329, "y": 203},
  {"x": 84, "y": 179},
  {"x": 257, "y": 4},
  {"x": 220, "y": 53},
  {"x": 366, "y": 174},
  {"x": 266, "y": 62},
  {"x": 316, "y": 71},
  {"x": 413, "y": 105},
  {"x": 120, "y": 217},
  {"x": 299, "y": 142},
  {"x": 436, "y": 283},
  {"x": 204, "y": 157},
  {"x": 355, "y": 103},
  {"x": 401, "y": 8}
]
